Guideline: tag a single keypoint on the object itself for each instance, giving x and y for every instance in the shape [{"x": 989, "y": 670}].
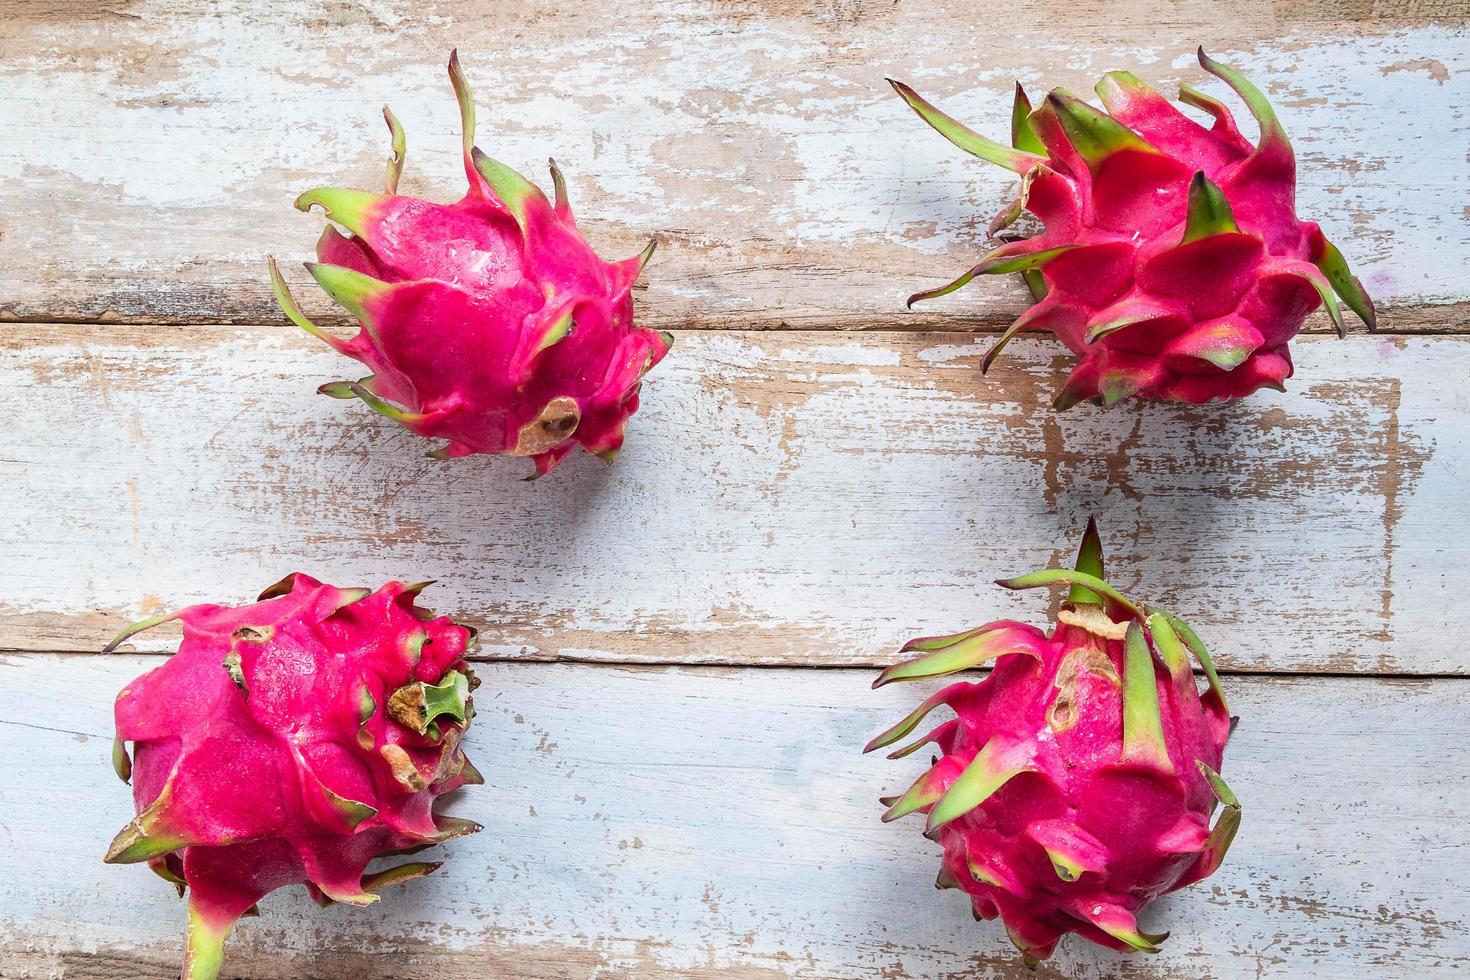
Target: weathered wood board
[
  {"x": 732, "y": 831},
  {"x": 157, "y": 146},
  {"x": 787, "y": 500},
  {"x": 783, "y": 498}
]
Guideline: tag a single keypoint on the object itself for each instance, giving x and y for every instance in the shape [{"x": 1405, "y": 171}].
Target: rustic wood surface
[
  {"x": 732, "y": 832},
  {"x": 793, "y": 498},
  {"x": 164, "y": 141},
  {"x": 787, "y": 501}
]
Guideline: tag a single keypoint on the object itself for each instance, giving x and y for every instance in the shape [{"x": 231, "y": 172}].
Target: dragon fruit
[
  {"x": 293, "y": 740},
  {"x": 491, "y": 322},
  {"x": 1171, "y": 261},
  {"x": 1077, "y": 780}
]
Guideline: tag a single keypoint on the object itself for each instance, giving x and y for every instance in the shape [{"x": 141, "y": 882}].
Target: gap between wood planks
[
  {"x": 1419, "y": 319},
  {"x": 737, "y": 666}
]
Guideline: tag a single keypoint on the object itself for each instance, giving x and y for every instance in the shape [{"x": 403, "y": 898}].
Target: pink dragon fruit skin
[
  {"x": 1077, "y": 780},
  {"x": 1172, "y": 261},
  {"x": 490, "y": 322},
  {"x": 293, "y": 740}
]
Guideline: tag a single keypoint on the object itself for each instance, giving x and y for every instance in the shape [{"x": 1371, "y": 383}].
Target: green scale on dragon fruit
[
  {"x": 490, "y": 322},
  {"x": 1172, "y": 261},
  {"x": 293, "y": 741},
  {"x": 1076, "y": 782}
]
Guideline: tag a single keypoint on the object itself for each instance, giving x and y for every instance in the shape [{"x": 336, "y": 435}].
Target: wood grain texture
[
  {"x": 732, "y": 831},
  {"x": 160, "y": 143},
  {"x": 799, "y": 498}
]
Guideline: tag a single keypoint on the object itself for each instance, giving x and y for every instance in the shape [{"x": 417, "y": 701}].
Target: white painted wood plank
[
  {"x": 159, "y": 143},
  {"x": 783, "y": 498},
  {"x": 733, "y": 830}
]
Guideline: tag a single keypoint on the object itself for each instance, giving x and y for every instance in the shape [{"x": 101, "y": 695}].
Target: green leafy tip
[
  {"x": 1271, "y": 129},
  {"x": 1143, "y": 725},
  {"x": 466, "y": 100},
  {"x": 962, "y": 136},
  {"x": 1061, "y": 576},
  {"x": 350, "y": 288},
  {"x": 138, "y": 627},
  {"x": 400, "y": 149},
  {"x": 287, "y": 303},
  {"x": 1023, "y": 133},
  {"x": 1335, "y": 267},
  {"x": 970, "y": 650},
  {"x": 1089, "y": 562},
  {"x": 517, "y": 193},
  {"x": 1095, "y": 135},
  {"x": 1209, "y": 213},
  {"x": 1004, "y": 260},
  {"x": 354, "y": 389},
  {"x": 352, "y": 209},
  {"x": 985, "y": 774}
]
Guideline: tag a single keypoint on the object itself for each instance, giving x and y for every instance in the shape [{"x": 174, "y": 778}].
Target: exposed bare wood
[
  {"x": 794, "y": 498},
  {"x": 732, "y": 833},
  {"x": 158, "y": 144}
]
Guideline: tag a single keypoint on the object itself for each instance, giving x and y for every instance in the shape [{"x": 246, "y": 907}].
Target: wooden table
[{"x": 680, "y": 647}]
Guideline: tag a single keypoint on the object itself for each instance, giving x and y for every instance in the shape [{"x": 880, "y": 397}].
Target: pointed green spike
[
  {"x": 961, "y": 656},
  {"x": 350, "y": 288},
  {"x": 928, "y": 644},
  {"x": 1035, "y": 283},
  {"x": 516, "y": 192},
  {"x": 400, "y": 150},
  {"x": 1143, "y": 727},
  {"x": 1225, "y": 829},
  {"x": 1070, "y": 395},
  {"x": 667, "y": 338},
  {"x": 1167, "y": 642},
  {"x": 1009, "y": 334},
  {"x": 352, "y": 209},
  {"x": 353, "y": 389},
  {"x": 135, "y": 628},
  {"x": 934, "y": 736},
  {"x": 1067, "y": 869},
  {"x": 145, "y": 836},
  {"x": 204, "y": 945},
  {"x": 1001, "y": 261},
  {"x": 1114, "y": 386},
  {"x": 1324, "y": 289},
  {"x": 964, "y": 137},
  {"x": 559, "y": 329},
  {"x": 288, "y": 306},
  {"x": 1192, "y": 96},
  {"x": 449, "y": 828},
  {"x": 1089, "y": 562},
  {"x": 162, "y": 869},
  {"x": 1063, "y": 576},
  {"x": 466, "y": 102},
  {"x": 1093, "y": 134},
  {"x": 470, "y": 773},
  {"x": 1335, "y": 267},
  {"x": 1195, "y": 644},
  {"x": 1260, "y": 107},
  {"x": 379, "y": 880},
  {"x": 353, "y": 812},
  {"x": 985, "y": 774},
  {"x": 1023, "y": 134},
  {"x": 921, "y": 794},
  {"x": 1121, "y": 83},
  {"x": 944, "y": 880},
  {"x": 910, "y": 721},
  {"x": 559, "y": 185},
  {"x": 122, "y": 763},
  {"x": 645, "y": 255},
  {"x": 984, "y": 875},
  {"x": 367, "y": 706},
  {"x": 1209, "y": 213},
  {"x": 1119, "y": 923}
]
